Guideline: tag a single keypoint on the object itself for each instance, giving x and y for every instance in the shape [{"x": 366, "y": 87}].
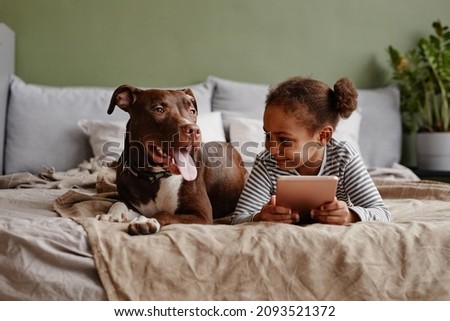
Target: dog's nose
[{"x": 191, "y": 130}]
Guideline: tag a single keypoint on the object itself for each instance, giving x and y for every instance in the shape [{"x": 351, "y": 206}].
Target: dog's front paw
[
  {"x": 118, "y": 213},
  {"x": 143, "y": 226}
]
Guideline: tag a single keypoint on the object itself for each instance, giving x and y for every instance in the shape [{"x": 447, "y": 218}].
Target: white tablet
[{"x": 303, "y": 193}]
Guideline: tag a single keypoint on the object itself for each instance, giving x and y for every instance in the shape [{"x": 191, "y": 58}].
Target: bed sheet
[{"x": 42, "y": 255}]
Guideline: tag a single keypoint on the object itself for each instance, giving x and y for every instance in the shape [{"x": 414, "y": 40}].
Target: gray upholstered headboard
[{"x": 7, "y": 46}]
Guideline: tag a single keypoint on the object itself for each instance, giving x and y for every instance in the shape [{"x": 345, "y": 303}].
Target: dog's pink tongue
[{"x": 185, "y": 165}]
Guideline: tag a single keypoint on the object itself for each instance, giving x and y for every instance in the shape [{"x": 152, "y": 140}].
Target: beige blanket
[
  {"x": 82, "y": 176},
  {"x": 408, "y": 259}
]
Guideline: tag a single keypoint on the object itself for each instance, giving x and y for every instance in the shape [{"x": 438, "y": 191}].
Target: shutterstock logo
[{"x": 218, "y": 154}]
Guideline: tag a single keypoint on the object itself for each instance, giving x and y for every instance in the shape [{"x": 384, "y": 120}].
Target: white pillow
[
  {"x": 347, "y": 130},
  {"x": 211, "y": 125},
  {"x": 247, "y": 135},
  {"x": 106, "y": 137}
]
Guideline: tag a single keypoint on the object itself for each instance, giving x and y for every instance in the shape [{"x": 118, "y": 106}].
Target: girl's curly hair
[{"x": 312, "y": 102}]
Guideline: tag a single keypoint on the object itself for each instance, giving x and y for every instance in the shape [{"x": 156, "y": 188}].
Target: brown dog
[{"x": 165, "y": 172}]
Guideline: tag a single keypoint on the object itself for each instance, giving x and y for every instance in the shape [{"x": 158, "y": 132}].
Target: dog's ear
[
  {"x": 190, "y": 94},
  {"x": 123, "y": 96}
]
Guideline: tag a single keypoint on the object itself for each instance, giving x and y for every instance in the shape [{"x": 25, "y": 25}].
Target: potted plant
[{"x": 423, "y": 77}]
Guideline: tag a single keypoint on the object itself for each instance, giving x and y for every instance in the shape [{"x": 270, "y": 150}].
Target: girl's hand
[
  {"x": 273, "y": 213},
  {"x": 335, "y": 212}
]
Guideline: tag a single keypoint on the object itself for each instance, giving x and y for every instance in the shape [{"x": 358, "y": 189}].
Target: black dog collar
[{"x": 149, "y": 176}]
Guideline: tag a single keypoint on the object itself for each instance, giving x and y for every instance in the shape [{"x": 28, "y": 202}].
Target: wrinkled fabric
[
  {"x": 407, "y": 259},
  {"x": 43, "y": 256},
  {"x": 46, "y": 257}
]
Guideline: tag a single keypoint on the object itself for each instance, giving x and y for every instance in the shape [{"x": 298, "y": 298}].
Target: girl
[{"x": 300, "y": 117}]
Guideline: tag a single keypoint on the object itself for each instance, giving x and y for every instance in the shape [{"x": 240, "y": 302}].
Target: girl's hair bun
[{"x": 345, "y": 94}]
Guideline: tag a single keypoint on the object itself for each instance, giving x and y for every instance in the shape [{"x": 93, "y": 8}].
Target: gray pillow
[
  {"x": 237, "y": 99},
  {"x": 380, "y": 135},
  {"x": 42, "y": 123}
]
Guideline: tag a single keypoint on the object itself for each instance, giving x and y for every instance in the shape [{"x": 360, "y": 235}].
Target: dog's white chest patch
[{"x": 166, "y": 199}]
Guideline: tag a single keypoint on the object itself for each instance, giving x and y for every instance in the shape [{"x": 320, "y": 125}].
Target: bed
[{"x": 55, "y": 180}]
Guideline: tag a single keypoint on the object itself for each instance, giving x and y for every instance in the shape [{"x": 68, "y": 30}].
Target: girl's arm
[
  {"x": 365, "y": 199},
  {"x": 255, "y": 195}
]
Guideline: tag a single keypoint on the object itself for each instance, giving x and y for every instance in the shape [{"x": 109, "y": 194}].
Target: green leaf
[{"x": 423, "y": 77}]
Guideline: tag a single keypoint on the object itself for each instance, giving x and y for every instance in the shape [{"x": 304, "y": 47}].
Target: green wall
[{"x": 177, "y": 42}]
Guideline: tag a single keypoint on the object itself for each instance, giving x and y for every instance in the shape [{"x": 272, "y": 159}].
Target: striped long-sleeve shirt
[{"x": 355, "y": 187}]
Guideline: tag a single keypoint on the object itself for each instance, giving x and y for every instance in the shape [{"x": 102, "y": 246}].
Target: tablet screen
[{"x": 303, "y": 193}]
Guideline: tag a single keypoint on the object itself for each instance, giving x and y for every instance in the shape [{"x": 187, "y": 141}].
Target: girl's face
[{"x": 292, "y": 145}]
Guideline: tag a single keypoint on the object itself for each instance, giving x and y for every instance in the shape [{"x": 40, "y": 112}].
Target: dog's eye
[
  {"x": 158, "y": 109},
  {"x": 193, "y": 112}
]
